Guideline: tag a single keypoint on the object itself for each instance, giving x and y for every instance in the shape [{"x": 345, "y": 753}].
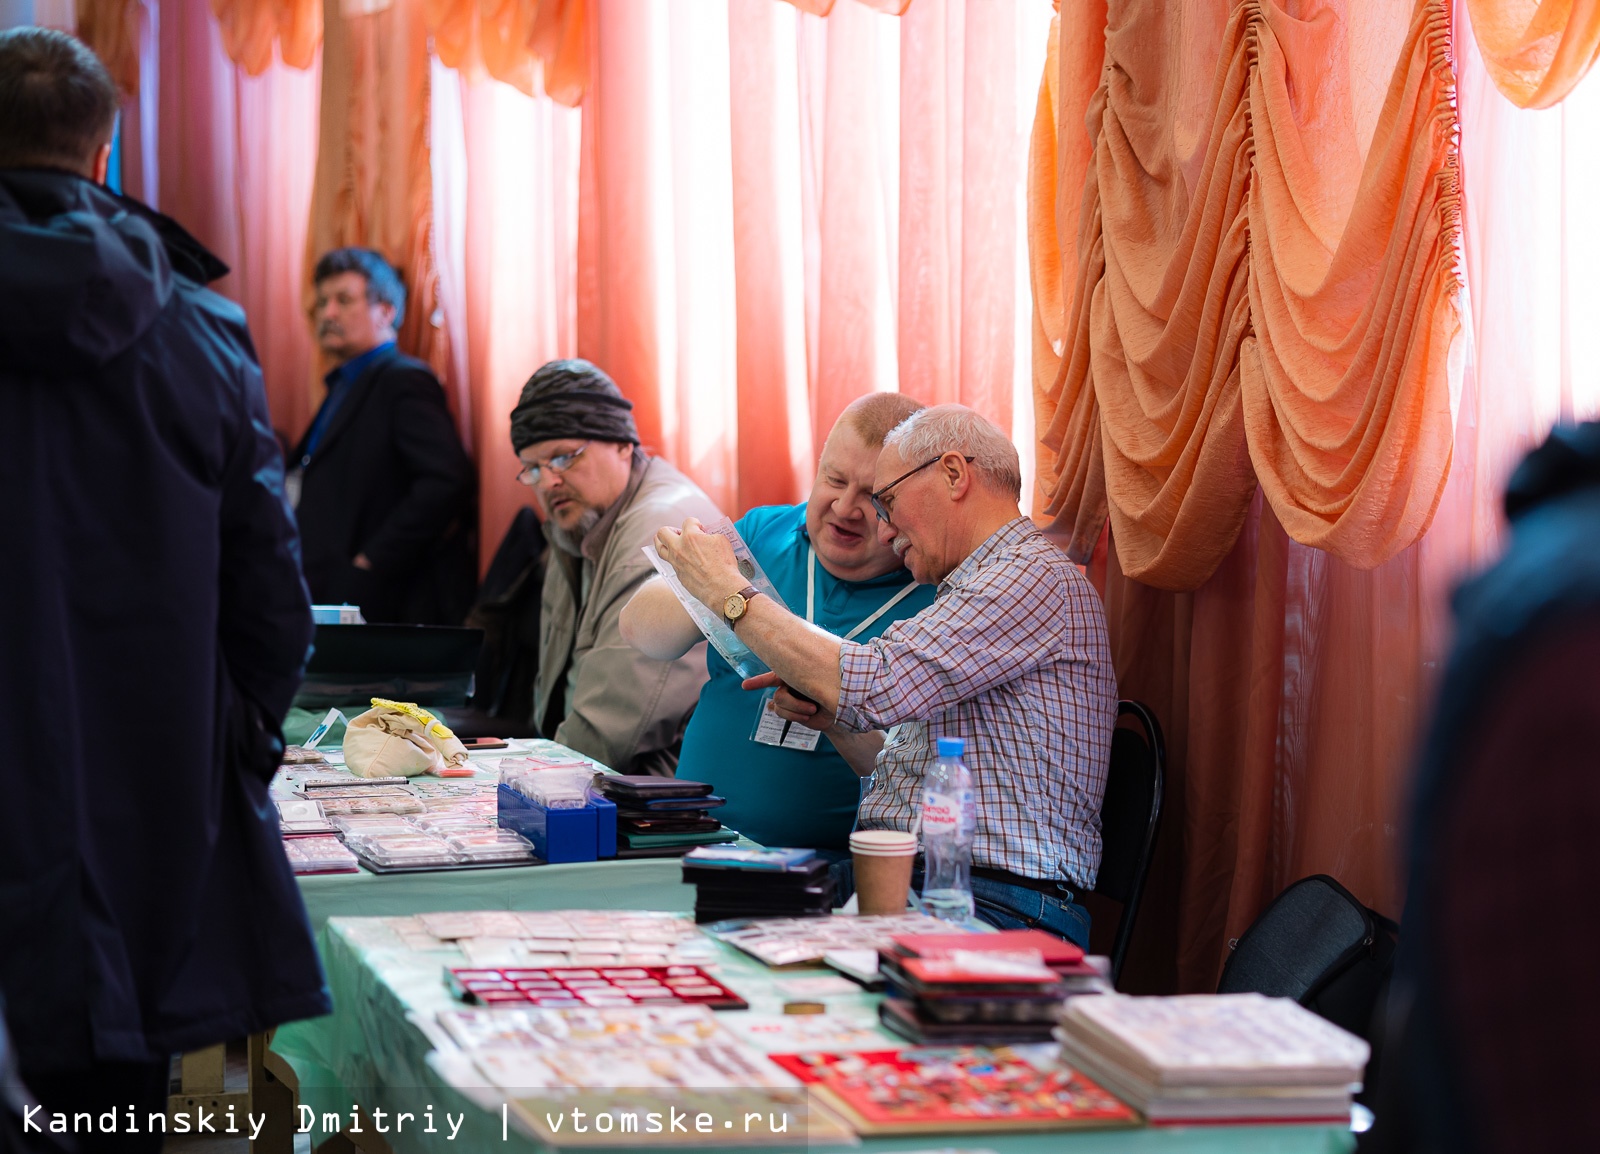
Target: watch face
[{"x": 733, "y": 608}]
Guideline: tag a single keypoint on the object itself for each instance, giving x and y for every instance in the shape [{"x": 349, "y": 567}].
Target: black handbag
[{"x": 1320, "y": 946}]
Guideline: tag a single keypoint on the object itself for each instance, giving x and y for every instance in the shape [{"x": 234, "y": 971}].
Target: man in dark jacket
[
  {"x": 1492, "y": 1015},
  {"x": 154, "y": 622},
  {"x": 381, "y": 485}
]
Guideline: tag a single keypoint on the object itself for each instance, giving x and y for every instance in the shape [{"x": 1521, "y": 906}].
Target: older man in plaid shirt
[{"x": 1012, "y": 656}]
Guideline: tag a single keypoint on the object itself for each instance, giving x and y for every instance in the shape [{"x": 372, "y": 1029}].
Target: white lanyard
[{"x": 811, "y": 597}]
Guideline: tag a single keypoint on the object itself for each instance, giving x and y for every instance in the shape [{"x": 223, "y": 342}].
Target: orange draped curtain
[
  {"x": 254, "y": 31},
  {"x": 1246, "y": 265},
  {"x": 532, "y": 45},
  {"x": 1292, "y": 678},
  {"x": 1536, "y": 51},
  {"x": 1261, "y": 294}
]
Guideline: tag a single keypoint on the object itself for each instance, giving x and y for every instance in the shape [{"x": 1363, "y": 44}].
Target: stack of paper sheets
[{"x": 1228, "y": 1057}]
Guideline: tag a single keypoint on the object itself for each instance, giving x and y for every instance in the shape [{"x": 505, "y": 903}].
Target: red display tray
[{"x": 574, "y": 987}]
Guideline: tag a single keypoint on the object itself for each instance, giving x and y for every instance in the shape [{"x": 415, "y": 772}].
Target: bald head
[
  {"x": 875, "y": 415},
  {"x": 839, "y": 518}
]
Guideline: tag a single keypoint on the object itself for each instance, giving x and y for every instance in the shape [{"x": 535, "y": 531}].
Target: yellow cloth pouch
[{"x": 399, "y": 739}]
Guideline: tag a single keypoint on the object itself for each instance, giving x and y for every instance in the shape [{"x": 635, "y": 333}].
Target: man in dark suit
[
  {"x": 153, "y": 629},
  {"x": 381, "y": 485}
]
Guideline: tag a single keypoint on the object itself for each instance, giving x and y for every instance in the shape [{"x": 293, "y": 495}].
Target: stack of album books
[
  {"x": 1215, "y": 1058},
  {"x": 982, "y": 989},
  {"x": 740, "y": 882},
  {"x": 946, "y": 1090},
  {"x": 663, "y": 816}
]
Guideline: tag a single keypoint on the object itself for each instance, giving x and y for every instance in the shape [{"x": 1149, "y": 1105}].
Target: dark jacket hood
[
  {"x": 1568, "y": 461},
  {"x": 84, "y": 272}
]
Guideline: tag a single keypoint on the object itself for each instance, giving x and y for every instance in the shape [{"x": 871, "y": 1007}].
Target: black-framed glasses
[
  {"x": 529, "y": 476},
  {"x": 877, "y": 497}
]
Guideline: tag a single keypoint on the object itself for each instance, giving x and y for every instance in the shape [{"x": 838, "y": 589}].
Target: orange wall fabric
[
  {"x": 520, "y": 263},
  {"x": 1059, "y": 154},
  {"x": 960, "y": 154},
  {"x": 233, "y": 161},
  {"x": 111, "y": 29},
  {"x": 750, "y": 188},
  {"x": 770, "y": 325},
  {"x": 1536, "y": 51},
  {"x": 1259, "y": 295},
  {"x": 374, "y": 182},
  {"x": 870, "y": 241},
  {"x": 617, "y": 249}
]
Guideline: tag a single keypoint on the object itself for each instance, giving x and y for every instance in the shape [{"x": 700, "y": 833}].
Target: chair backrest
[{"x": 1129, "y": 816}]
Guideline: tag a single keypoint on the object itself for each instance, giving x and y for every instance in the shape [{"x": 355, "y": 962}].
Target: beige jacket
[{"x": 620, "y": 707}]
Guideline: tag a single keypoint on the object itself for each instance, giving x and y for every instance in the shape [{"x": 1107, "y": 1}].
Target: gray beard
[{"x": 572, "y": 542}]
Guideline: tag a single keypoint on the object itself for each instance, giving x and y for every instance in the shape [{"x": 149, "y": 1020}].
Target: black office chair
[{"x": 1128, "y": 818}]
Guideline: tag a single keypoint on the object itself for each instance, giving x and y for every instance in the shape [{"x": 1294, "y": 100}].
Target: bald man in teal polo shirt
[{"x": 826, "y": 562}]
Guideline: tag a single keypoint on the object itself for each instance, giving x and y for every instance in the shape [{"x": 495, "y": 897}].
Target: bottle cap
[{"x": 952, "y": 746}]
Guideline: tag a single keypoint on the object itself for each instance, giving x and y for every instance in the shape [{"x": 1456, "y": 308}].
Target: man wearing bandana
[{"x": 602, "y": 500}]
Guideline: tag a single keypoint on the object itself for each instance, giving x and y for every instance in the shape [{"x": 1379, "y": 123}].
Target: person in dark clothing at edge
[
  {"x": 1489, "y": 1033},
  {"x": 155, "y": 627},
  {"x": 380, "y": 483}
]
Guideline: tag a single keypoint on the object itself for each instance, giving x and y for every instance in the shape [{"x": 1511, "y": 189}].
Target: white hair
[{"x": 931, "y": 432}]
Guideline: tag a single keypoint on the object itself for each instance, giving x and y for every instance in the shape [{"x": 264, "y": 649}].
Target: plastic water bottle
[{"x": 949, "y": 817}]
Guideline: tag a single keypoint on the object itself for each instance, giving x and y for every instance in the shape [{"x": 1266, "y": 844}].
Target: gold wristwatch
[{"x": 736, "y": 605}]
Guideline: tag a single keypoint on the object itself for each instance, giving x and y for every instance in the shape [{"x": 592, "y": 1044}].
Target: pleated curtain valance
[
  {"x": 536, "y": 46},
  {"x": 251, "y": 29},
  {"x": 1536, "y": 51},
  {"x": 1258, "y": 294}
]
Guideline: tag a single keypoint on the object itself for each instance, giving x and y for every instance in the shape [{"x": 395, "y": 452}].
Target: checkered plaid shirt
[{"x": 1012, "y": 656}]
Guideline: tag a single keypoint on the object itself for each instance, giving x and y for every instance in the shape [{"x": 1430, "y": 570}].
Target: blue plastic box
[{"x": 561, "y": 835}]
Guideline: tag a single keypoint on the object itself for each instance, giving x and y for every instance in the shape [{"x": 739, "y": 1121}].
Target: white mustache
[{"x": 900, "y": 545}]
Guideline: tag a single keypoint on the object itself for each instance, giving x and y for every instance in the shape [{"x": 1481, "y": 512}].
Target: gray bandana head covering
[{"x": 571, "y": 399}]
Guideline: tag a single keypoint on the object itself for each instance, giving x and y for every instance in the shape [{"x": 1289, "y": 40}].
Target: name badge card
[{"x": 774, "y": 730}]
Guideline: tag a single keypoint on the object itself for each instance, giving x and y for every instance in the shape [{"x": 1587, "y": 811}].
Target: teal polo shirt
[{"x": 786, "y": 797}]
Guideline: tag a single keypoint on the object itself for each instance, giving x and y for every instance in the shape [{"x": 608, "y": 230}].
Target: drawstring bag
[{"x": 399, "y": 739}]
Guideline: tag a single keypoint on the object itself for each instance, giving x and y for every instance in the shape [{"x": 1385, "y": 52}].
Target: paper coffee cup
[{"x": 882, "y": 860}]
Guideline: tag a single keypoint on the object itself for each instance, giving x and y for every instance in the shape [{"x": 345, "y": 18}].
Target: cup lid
[{"x": 883, "y": 842}]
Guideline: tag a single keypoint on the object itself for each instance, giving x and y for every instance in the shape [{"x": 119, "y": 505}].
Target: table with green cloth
[
  {"x": 643, "y": 883},
  {"x": 650, "y": 883},
  {"x": 378, "y": 1052}
]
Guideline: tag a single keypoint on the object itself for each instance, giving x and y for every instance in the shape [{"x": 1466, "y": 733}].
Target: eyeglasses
[
  {"x": 883, "y": 509},
  {"x": 558, "y": 464}
]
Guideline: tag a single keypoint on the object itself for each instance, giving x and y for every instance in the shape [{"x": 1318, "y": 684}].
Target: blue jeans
[{"x": 1010, "y": 907}]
